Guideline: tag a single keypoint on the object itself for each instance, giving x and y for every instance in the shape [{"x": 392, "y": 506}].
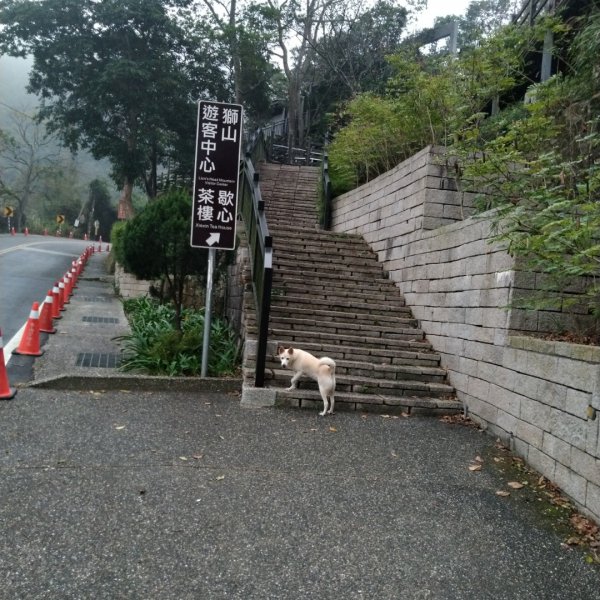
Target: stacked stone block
[{"x": 541, "y": 397}]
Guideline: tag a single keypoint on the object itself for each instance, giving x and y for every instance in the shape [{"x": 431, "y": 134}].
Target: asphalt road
[
  {"x": 116, "y": 487},
  {"x": 29, "y": 266}
]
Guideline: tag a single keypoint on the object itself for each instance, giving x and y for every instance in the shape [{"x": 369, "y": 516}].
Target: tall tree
[
  {"x": 295, "y": 28},
  {"x": 352, "y": 58},
  {"x": 27, "y": 156},
  {"x": 111, "y": 76},
  {"x": 244, "y": 39}
]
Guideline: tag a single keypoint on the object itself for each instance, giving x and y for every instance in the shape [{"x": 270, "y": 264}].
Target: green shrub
[
  {"x": 155, "y": 346},
  {"x": 156, "y": 244},
  {"x": 117, "y": 234}
]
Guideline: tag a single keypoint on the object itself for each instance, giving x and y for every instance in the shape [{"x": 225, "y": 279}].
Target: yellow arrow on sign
[
  {"x": 9, "y": 211},
  {"x": 60, "y": 219}
]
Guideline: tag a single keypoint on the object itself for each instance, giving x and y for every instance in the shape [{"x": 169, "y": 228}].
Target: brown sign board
[{"x": 216, "y": 175}]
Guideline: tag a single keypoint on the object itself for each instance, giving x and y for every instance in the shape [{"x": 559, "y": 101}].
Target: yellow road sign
[
  {"x": 60, "y": 219},
  {"x": 9, "y": 211}
]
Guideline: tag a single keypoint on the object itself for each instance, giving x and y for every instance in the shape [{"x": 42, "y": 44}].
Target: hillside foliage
[{"x": 537, "y": 161}]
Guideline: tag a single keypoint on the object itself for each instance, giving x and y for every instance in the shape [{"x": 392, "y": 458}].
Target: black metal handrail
[
  {"x": 326, "y": 195},
  {"x": 532, "y": 9},
  {"x": 260, "y": 243}
]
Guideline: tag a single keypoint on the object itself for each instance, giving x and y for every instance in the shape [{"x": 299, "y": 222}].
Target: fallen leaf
[
  {"x": 573, "y": 541},
  {"x": 183, "y": 458},
  {"x": 515, "y": 485},
  {"x": 502, "y": 493},
  {"x": 583, "y": 525},
  {"x": 479, "y": 459},
  {"x": 220, "y": 477},
  {"x": 197, "y": 456},
  {"x": 120, "y": 426},
  {"x": 333, "y": 429},
  {"x": 385, "y": 416},
  {"x": 474, "y": 467}
]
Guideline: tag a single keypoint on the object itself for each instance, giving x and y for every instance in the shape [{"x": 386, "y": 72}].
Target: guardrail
[{"x": 260, "y": 243}]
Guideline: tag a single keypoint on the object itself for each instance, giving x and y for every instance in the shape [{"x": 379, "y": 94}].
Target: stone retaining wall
[
  {"x": 539, "y": 396},
  {"x": 129, "y": 286}
]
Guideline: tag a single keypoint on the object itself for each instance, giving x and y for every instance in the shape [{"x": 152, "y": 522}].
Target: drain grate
[
  {"x": 95, "y": 359},
  {"x": 100, "y": 320}
]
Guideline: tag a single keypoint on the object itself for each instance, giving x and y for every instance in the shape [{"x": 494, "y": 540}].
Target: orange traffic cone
[
  {"x": 67, "y": 282},
  {"x": 61, "y": 294},
  {"x": 26, "y": 232},
  {"x": 30, "y": 340},
  {"x": 56, "y": 302},
  {"x": 46, "y": 314},
  {"x": 6, "y": 392}
]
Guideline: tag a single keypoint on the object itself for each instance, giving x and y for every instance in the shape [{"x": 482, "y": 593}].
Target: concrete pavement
[{"x": 129, "y": 487}]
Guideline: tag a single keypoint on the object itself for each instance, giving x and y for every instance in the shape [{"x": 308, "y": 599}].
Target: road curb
[{"x": 138, "y": 383}]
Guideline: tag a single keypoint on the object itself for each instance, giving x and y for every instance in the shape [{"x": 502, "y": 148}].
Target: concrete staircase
[{"x": 331, "y": 298}]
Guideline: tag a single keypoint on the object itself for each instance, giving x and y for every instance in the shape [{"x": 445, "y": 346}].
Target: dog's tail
[{"x": 329, "y": 362}]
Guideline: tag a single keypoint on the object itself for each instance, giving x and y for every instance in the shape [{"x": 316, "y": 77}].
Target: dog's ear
[
  {"x": 291, "y": 350},
  {"x": 279, "y": 349}
]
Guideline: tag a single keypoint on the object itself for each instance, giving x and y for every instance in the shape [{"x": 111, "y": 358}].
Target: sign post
[{"x": 216, "y": 177}]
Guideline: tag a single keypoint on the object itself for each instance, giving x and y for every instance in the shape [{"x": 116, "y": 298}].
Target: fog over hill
[{"x": 15, "y": 101}]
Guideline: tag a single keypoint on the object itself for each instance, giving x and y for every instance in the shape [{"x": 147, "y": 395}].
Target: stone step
[
  {"x": 281, "y": 239},
  {"x": 376, "y": 370},
  {"x": 340, "y": 316},
  {"x": 357, "y": 285},
  {"x": 380, "y": 356},
  {"x": 364, "y": 385},
  {"x": 292, "y": 302},
  {"x": 337, "y": 289},
  {"x": 312, "y": 234},
  {"x": 380, "y": 403},
  {"x": 371, "y": 330},
  {"x": 300, "y": 338},
  {"x": 324, "y": 269},
  {"x": 320, "y": 261}
]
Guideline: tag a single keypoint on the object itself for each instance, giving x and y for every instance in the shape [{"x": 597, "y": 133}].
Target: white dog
[{"x": 322, "y": 370}]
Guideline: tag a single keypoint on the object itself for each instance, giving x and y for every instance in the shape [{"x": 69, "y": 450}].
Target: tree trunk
[
  {"x": 293, "y": 116},
  {"x": 126, "y": 211},
  {"x": 236, "y": 62}
]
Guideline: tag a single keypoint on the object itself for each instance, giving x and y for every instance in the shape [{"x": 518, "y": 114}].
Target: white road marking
[
  {"x": 28, "y": 247},
  {"x": 12, "y": 344}
]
